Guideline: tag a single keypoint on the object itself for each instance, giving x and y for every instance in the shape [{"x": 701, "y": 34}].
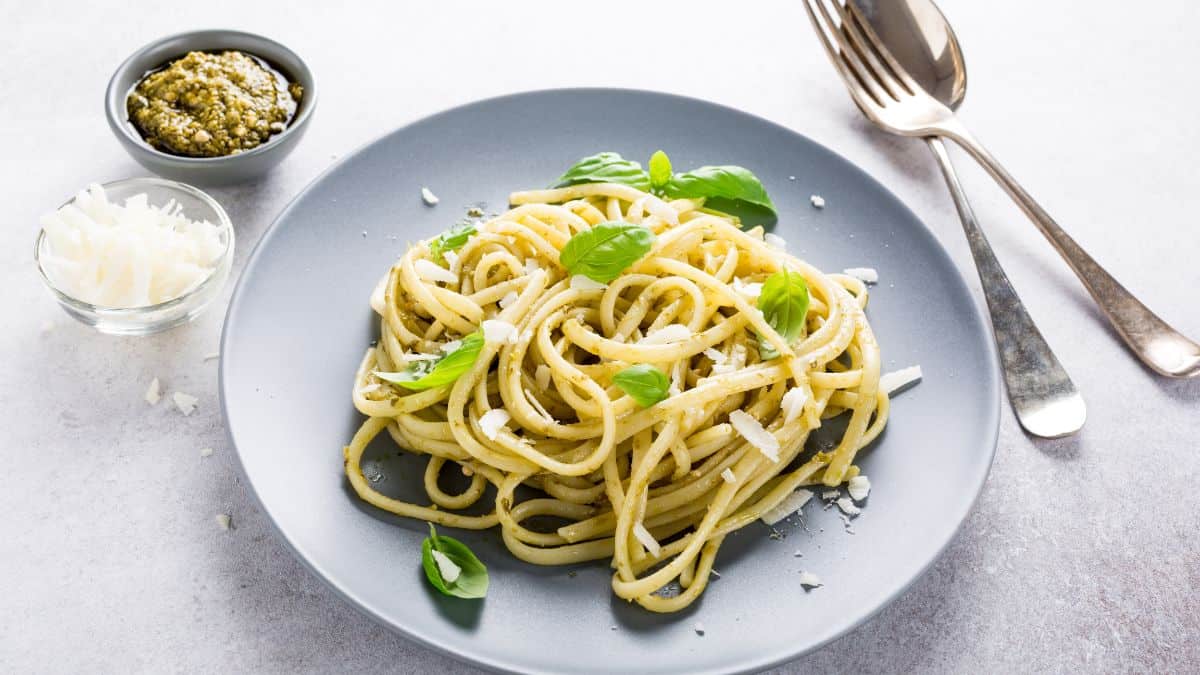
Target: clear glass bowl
[{"x": 151, "y": 318}]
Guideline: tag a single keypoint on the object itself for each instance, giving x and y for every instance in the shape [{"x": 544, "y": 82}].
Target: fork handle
[
  {"x": 1043, "y": 396},
  {"x": 1155, "y": 342}
]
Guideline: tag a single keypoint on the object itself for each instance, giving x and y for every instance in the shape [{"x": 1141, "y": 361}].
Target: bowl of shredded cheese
[{"x": 135, "y": 256}]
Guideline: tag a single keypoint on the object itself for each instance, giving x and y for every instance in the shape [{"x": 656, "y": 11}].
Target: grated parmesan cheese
[
  {"x": 581, "y": 283},
  {"x": 493, "y": 421},
  {"x": 751, "y": 289},
  {"x": 446, "y": 567},
  {"x": 675, "y": 332},
  {"x": 859, "y": 487},
  {"x": 643, "y": 535},
  {"x": 830, "y": 494},
  {"x": 714, "y": 355},
  {"x": 817, "y": 201},
  {"x": 496, "y": 331},
  {"x": 810, "y": 580},
  {"x": 793, "y": 404},
  {"x": 775, "y": 241},
  {"x": 428, "y": 197},
  {"x": 449, "y": 347},
  {"x": 865, "y": 274},
  {"x": 431, "y": 271},
  {"x": 541, "y": 376},
  {"x": 153, "y": 392},
  {"x": 754, "y": 433},
  {"x": 847, "y": 506},
  {"x": 790, "y": 504},
  {"x": 728, "y": 476},
  {"x": 508, "y": 299},
  {"x": 898, "y": 380},
  {"x": 185, "y": 402}
]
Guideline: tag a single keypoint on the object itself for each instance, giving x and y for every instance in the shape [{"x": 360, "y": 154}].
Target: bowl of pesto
[{"x": 210, "y": 107}]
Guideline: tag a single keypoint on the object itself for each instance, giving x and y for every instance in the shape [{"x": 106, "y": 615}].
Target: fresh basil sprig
[
  {"x": 429, "y": 373},
  {"x": 784, "y": 304},
  {"x": 451, "y": 240},
  {"x": 472, "y": 577},
  {"x": 605, "y": 167},
  {"x": 731, "y": 189},
  {"x": 602, "y": 252},
  {"x": 660, "y": 170},
  {"x": 644, "y": 383}
]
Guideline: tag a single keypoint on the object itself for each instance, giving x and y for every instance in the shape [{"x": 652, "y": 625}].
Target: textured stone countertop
[{"x": 1080, "y": 555}]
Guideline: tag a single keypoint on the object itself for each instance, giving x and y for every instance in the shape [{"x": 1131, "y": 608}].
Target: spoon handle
[
  {"x": 1155, "y": 342},
  {"x": 1042, "y": 394}
]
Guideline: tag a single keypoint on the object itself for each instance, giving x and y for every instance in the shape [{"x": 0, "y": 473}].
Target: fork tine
[
  {"x": 878, "y": 47},
  {"x": 850, "y": 55},
  {"x": 869, "y": 49},
  {"x": 854, "y": 82}
]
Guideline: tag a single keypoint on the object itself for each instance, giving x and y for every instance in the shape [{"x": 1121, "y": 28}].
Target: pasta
[{"x": 656, "y": 489}]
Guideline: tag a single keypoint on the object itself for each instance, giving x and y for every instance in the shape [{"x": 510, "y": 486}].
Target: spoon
[
  {"x": 890, "y": 96},
  {"x": 1043, "y": 397}
]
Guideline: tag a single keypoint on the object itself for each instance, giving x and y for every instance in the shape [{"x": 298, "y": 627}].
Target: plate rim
[{"x": 770, "y": 659}]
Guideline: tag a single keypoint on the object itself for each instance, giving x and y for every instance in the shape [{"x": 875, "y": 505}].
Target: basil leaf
[
  {"x": 604, "y": 251},
  {"x": 731, "y": 189},
  {"x": 644, "y": 383},
  {"x": 605, "y": 167},
  {"x": 472, "y": 581},
  {"x": 784, "y": 304},
  {"x": 429, "y": 374},
  {"x": 451, "y": 240},
  {"x": 660, "y": 170}
]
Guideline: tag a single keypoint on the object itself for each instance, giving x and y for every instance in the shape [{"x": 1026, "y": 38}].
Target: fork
[{"x": 890, "y": 98}]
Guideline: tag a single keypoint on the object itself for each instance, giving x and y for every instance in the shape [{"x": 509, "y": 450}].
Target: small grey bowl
[{"x": 208, "y": 170}]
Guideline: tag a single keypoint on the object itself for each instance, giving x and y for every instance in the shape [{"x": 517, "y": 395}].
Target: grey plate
[{"x": 299, "y": 322}]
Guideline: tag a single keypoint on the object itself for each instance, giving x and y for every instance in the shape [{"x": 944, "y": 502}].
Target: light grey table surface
[{"x": 1081, "y": 554}]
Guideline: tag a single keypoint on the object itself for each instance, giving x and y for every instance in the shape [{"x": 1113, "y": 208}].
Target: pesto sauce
[{"x": 212, "y": 105}]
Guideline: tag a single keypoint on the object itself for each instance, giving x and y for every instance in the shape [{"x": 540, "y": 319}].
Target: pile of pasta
[{"x": 655, "y": 490}]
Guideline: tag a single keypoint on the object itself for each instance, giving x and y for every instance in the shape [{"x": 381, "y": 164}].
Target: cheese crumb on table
[
  {"x": 859, "y": 487},
  {"x": 428, "y": 197},
  {"x": 699, "y": 628},
  {"x": 185, "y": 402},
  {"x": 153, "y": 392},
  {"x": 810, "y": 580},
  {"x": 817, "y": 201},
  {"x": 847, "y": 506},
  {"x": 867, "y": 275},
  {"x": 224, "y": 521}
]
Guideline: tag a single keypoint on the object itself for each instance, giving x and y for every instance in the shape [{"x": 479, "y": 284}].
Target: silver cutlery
[
  {"x": 1042, "y": 395},
  {"x": 889, "y": 96}
]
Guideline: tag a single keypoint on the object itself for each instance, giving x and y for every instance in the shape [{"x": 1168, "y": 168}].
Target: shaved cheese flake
[
  {"x": 751, "y": 289},
  {"x": 727, "y": 475},
  {"x": 675, "y": 332},
  {"x": 446, "y": 567},
  {"x": 493, "y": 421},
  {"x": 185, "y": 402},
  {"x": 865, "y": 274},
  {"x": 643, "y": 535},
  {"x": 431, "y": 271},
  {"x": 508, "y": 299},
  {"x": 817, "y": 201},
  {"x": 898, "y": 380},
  {"x": 451, "y": 258},
  {"x": 793, "y": 403},
  {"x": 715, "y": 355},
  {"x": 790, "y": 504},
  {"x": 754, "y": 433},
  {"x": 496, "y": 331},
  {"x": 541, "y": 376},
  {"x": 775, "y": 241},
  {"x": 830, "y": 494},
  {"x": 451, "y": 346},
  {"x": 428, "y": 197},
  {"x": 698, "y": 627},
  {"x": 581, "y": 283},
  {"x": 859, "y": 487},
  {"x": 153, "y": 392},
  {"x": 847, "y": 506},
  {"x": 809, "y": 579}
]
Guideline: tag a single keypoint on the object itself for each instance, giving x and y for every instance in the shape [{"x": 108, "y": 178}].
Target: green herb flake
[
  {"x": 784, "y": 304},
  {"x": 644, "y": 383},
  {"x": 472, "y": 581},
  {"x": 603, "y": 252},
  {"x": 451, "y": 240},
  {"x": 428, "y": 374},
  {"x": 605, "y": 167}
]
